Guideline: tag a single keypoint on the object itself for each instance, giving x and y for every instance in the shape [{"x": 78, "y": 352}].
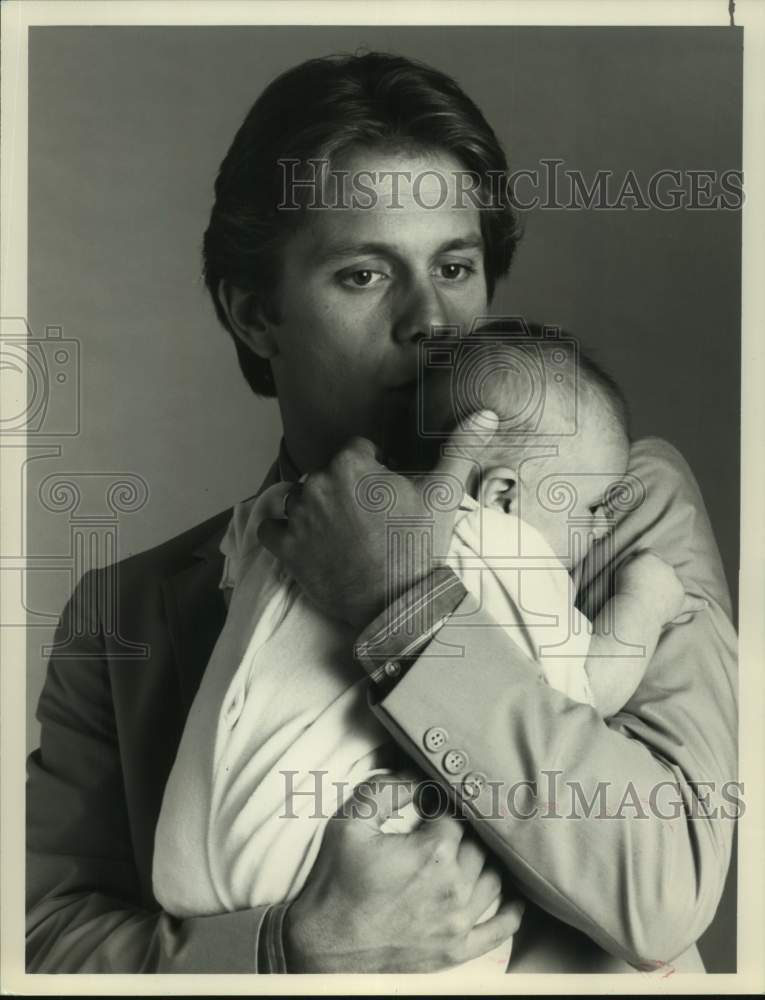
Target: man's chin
[
  {"x": 397, "y": 432},
  {"x": 407, "y": 451}
]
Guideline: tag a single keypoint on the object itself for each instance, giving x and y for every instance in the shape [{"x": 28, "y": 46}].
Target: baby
[
  {"x": 549, "y": 485},
  {"x": 280, "y": 732}
]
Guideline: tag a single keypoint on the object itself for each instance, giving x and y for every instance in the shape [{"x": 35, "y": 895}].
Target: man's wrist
[
  {"x": 389, "y": 645},
  {"x": 296, "y": 957},
  {"x": 271, "y": 954}
]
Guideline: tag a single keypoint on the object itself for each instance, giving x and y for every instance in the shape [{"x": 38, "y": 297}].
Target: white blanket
[{"x": 280, "y": 732}]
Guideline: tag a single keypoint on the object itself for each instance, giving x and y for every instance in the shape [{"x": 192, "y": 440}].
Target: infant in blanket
[
  {"x": 280, "y": 733},
  {"x": 549, "y": 485}
]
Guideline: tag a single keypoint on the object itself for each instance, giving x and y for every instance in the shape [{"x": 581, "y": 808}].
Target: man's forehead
[
  {"x": 391, "y": 200},
  {"x": 336, "y": 233},
  {"x": 421, "y": 180}
]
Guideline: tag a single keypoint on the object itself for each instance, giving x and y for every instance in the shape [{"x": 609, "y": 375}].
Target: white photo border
[{"x": 17, "y": 17}]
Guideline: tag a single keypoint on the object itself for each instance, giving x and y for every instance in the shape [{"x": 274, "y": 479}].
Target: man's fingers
[
  {"x": 463, "y": 450},
  {"x": 487, "y": 891},
  {"x": 442, "y": 836},
  {"x": 273, "y": 509},
  {"x": 471, "y": 858},
  {"x": 491, "y": 933},
  {"x": 270, "y": 504},
  {"x": 382, "y": 798},
  {"x": 364, "y": 449}
]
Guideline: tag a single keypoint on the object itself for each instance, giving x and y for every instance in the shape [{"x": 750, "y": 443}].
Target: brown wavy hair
[{"x": 317, "y": 110}]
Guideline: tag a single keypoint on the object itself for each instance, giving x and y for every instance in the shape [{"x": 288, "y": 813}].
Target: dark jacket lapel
[
  {"x": 196, "y": 612},
  {"x": 196, "y": 609}
]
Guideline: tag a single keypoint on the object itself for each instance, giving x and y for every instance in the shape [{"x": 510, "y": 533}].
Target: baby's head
[{"x": 554, "y": 467}]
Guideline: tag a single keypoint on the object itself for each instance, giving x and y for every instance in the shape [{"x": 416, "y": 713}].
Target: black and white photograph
[{"x": 381, "y": 552}]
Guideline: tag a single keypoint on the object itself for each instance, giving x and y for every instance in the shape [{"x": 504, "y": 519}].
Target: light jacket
[{"x": 607, "y": 894}]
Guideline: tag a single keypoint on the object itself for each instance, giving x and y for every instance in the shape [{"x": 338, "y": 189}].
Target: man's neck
[
  {"x": 306, "y": 455},
  {"x": 289, "y": 470},
  {"x": 303, "y": 451}
]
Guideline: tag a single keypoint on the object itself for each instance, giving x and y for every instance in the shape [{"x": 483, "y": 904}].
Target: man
[{"x": 327, "y": 309}]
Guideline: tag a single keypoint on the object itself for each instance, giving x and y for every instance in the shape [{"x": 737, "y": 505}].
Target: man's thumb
[
  {"x": 379, "y": 798},
  {"x": 462, "y": 452}
]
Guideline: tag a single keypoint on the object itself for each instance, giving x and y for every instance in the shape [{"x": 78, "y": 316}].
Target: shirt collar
[{"x": 283, "y": 470}]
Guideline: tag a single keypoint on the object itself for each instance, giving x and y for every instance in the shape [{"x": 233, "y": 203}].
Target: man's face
[{"x": 360, "y": 288}]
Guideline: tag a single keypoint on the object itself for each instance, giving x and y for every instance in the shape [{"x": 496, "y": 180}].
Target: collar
[{"x": 284, "y": 469}]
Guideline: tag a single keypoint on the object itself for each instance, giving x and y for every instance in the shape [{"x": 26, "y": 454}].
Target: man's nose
[{"x": 420, "y": 310}]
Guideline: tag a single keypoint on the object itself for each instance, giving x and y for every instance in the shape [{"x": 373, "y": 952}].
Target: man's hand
[
  {"x": 341, "y": 541},
  {"x": 396, "y": 902}
]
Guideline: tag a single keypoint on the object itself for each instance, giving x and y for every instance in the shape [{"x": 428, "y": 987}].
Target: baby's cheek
[{"x": 539, "y": 525}]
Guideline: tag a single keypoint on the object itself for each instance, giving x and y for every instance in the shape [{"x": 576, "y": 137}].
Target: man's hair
[{"x": 318, "y": 110}]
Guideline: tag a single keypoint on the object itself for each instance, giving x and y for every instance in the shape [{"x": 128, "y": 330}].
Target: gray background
[{"x": 127, "y": 127}]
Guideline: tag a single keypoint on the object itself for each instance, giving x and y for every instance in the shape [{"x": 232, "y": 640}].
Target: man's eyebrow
[
  {"x": 336, "y": 251},
  {"x": 462, "y": 243}
]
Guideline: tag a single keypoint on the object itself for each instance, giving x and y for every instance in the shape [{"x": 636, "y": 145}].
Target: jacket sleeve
[
  {"x": 85, "y": 912},
  {"x": 622, "y": 829}
]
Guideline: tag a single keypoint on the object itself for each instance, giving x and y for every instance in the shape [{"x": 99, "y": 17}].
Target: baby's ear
[
  {"x": 601, "y": 521},
  {"x": 497, "y": 489}
]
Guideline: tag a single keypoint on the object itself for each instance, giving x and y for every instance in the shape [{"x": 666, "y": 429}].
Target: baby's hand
[{"x": 657, "y": 587}]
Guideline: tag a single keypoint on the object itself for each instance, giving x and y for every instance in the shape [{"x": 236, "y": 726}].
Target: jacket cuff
[
  {"x": 270, "y": 956},
  {"x": 388, "y": 647}
]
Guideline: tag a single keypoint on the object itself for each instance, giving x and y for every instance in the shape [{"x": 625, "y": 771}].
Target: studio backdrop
[{"x": 148, "y": 427}]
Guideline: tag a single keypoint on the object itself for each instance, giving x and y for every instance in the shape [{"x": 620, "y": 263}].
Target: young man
[{"x": 327, "y": 308}]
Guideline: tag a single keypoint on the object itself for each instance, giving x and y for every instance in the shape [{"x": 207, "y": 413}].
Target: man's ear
[
  {"x": 497, "y": 489},
  {"x": 246, "y": 318}
]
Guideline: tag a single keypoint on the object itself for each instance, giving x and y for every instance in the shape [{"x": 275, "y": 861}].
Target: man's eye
[
  {"x": 364, "y": 278},
  {"x": 455, "y": 272}
]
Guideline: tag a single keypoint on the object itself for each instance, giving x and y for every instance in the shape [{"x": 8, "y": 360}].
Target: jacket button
[
  {"x": 455, "y": 762},
  {"x": 435, "y": 739},
  {"x": 473, "y": 784}
]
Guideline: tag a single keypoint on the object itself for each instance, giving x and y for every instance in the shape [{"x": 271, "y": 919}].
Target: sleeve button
[
  {"x": 473, "y": 784},
  {"x": 435, "y": 739},
  {"x": 455, "y": 762}
]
